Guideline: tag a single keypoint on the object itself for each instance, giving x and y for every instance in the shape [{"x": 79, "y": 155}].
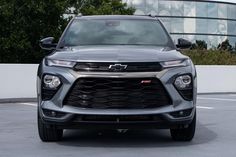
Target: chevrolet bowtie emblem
[{"x": 117, "y": 67}]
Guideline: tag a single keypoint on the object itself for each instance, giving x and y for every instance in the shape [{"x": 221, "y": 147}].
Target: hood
[{"x": 116, "y": 54}]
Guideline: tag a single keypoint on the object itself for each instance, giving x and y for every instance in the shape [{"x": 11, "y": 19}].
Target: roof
[{"x": 113, "y": 17}]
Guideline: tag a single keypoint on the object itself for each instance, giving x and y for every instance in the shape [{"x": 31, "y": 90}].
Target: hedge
[{"x": 211, "y": 57}]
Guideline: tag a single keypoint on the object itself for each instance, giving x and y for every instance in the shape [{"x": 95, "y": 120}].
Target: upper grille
[
  {"x": 130, "y": 67},
  {"x": 117, "y": 93}
]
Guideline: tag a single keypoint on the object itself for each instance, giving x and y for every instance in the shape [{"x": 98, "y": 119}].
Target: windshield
[{"x": 116, "y": 32}]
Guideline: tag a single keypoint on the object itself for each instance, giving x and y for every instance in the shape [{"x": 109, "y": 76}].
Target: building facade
[{"x": 211, "y": 21}]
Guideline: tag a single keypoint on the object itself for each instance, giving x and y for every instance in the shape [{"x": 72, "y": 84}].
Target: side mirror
[
  {"x": 183, "y": 44},
  {"x": 47, "y": 43}
]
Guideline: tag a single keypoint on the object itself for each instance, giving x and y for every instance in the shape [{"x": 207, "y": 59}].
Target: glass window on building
[
  {"x": 189, "y": 8},
  {"x": 176, "y": 37},
  {"x": 128, "y": 2},
  {"x": 177, "y": 25},
  {"x": 189, "y": 25},
  {"x": 212, "y": 42},
  {"x": 221, "y": 39},
  {"x": 177, "y": 8},
  {"x": 164, "y": 8},
  {"x": 201, "y": 9},
  {"x": 222, "y": 27},
  {"x": 231, "y": 27},
  {"x": 212, "y": 10},
  {"x": 222, "y": 10},
  {"x": 201, "y": 38},
  {"x": 152, "y": 7},
  {"x": 201, "y": 26},
  {"x": 191, "y": 38},
  {"x": 232, "y": 41},
  {"x": 231, "y": 11},
  {"x": 167, "y": 23},
  {"x": 212, "y": 26},
  {"x": 137, "y": 3},
  {"x": 140, "y": 6},
  {"x": 140, "y": 11}
]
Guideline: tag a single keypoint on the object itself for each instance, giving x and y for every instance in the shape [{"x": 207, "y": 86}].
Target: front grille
[
  {"x": 117, "y": 93},
  {"x": 119, "y": 119},
  {"x": 129, "y": 67}
]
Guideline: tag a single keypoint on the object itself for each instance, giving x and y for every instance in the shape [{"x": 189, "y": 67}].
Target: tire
[
  {"x": 48, "y": 133},
  {"x": 184, "y": 134}
]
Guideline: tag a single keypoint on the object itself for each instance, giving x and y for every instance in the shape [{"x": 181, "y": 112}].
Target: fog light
[
  {"x": 51, "y": 81},
  {"x": 183, "y": 82}
]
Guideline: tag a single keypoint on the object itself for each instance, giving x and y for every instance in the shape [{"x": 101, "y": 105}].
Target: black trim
[
  {"x": 125, "y": 66},
  {"x": 161, "y": 122}
]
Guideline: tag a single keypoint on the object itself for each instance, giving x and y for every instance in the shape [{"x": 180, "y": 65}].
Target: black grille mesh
[{"x": 117, "y": 93}]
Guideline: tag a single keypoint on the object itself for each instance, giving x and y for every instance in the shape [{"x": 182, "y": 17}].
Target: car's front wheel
[
  {"x": 48, "y": 133},
  {"x": 184, "y": 134}
]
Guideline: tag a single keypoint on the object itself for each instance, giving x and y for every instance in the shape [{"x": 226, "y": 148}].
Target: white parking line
[
  {"x": 29, "y": 104},
  {"x": 216, "y": 99},
  {"x": 205, "y": 107}
]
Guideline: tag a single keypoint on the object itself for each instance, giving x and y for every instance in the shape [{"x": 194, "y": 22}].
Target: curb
[
  {"x": 217, "y": 93},
  {"x": 18, "y": 100}
]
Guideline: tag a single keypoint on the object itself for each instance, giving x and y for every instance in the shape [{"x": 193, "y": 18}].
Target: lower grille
[
  {"x": 187, "y": 94},
  {"x": 117, "y": 93},
  {"x": 103, "y": 118},
  {"x": 48, "y": 94}
]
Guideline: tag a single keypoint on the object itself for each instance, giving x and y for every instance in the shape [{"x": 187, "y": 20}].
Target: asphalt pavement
[{"x": 215, "y": 135}]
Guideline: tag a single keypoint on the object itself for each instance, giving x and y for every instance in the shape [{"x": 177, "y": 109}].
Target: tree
[
  {"x": 225, "y": 45},
  {"x": 101, "y": 7},
  {"x": 200, "y": 45},
  {"x": 23, "y": 23}
]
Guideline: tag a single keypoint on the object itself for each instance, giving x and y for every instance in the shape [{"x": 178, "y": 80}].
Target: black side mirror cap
[
  {"x": 183, "y": 44},
  {"x": 47, "y": 44}
]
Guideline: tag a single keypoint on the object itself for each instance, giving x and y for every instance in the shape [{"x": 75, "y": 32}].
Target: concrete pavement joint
[{"x": 216, "y": 99}]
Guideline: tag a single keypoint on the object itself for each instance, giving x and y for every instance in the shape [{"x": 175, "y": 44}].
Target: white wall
[
  {"x": 19, "y": 80},
  {"x": 216, "y": 78}
]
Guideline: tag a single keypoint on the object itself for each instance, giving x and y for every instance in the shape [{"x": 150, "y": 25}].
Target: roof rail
[{"x": 150, "y": 15}]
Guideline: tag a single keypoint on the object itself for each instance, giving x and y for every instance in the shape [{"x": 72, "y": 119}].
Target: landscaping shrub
[{"x": 211, "y": 57}]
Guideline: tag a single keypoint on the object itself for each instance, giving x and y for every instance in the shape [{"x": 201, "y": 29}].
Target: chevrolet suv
[{"x": 116, "y": 72}]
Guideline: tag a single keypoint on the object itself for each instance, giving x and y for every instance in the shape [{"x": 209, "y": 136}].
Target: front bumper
[
  {"x": 164, "y": 113},
  {"x": 160, "y": 121}
]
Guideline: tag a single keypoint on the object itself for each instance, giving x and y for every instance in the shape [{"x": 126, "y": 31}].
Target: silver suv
[{"x": 116, "y": 72}]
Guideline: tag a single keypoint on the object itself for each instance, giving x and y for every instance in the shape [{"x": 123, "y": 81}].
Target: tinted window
[{"x": 116, "y": 32}]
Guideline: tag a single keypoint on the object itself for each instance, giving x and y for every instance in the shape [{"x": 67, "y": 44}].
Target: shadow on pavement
[{"x": 132, "y": 138}]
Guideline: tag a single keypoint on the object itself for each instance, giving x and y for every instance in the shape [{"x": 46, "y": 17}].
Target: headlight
[
  {"x": 176, "y": 63},
  {"x": 60, "y": 63},
  {"x": 51, "y": 81},
  {"x": 183, "y": 82}
]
